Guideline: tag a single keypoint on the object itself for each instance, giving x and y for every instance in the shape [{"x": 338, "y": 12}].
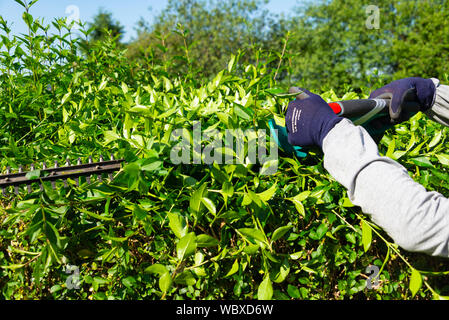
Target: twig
[{"x": 282, "y": 55}]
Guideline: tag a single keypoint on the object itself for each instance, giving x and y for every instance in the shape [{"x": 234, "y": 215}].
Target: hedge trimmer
[
  {"x": 360, "y": 112},
  {"x": 46, "y": 174}
]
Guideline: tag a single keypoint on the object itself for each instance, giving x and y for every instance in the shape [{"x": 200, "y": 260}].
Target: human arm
[{"x": 416, "y": 219}]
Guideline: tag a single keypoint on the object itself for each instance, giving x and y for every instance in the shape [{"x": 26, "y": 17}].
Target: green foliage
[
  {"x": 104, "y": 26},
  {"x": 184, "y": 231},
  {"x": 337, "y": 49},
  {"x": 424, "y": 28},
  {"x": 201, "y": 35},
  {"x": 330, "y": 45}
]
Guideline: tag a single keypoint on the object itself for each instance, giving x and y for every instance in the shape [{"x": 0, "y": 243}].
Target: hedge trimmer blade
[{"x": 58, "y": 173}]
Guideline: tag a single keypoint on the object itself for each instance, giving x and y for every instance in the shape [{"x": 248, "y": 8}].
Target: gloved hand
[
  {"x": 421, "y": 90},
  {"x": 309, "y": 119}
]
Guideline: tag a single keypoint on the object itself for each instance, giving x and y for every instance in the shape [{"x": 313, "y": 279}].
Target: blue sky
[{"x": 127, "y": 12}]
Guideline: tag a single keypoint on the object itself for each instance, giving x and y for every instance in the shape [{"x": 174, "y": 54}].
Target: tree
[
  {"x": 337, "y": 48},
  {"x": 421, "y": 42},
  {"x": 105, "y": 26},
  {"x": 207, "y": 33}
]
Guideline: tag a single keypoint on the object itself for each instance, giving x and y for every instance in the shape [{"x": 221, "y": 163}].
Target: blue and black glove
[
  {"x": 309, "y": 119},
  {"x": 400, "y": 91},
  {"x": 404, "y": 94}
]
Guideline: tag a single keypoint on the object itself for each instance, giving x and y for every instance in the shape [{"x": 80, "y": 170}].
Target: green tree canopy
[
  {"x": 208, "y": 32},
  {"x": 337, "y": 48},
  {"x": 335, "y": 44},
  {"x": 105, "y": 26}
]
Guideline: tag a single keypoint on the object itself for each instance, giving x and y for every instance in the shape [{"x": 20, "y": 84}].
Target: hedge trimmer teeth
[{"x": 55, "y": 173}]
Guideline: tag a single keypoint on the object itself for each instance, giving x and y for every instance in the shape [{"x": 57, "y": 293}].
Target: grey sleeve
[
  {"x": 439, "y": 112},
  {"x": 416, "y": 219}
]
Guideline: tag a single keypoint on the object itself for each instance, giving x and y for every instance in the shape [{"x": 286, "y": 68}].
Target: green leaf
[
  {"x": 129, "y": 282},
  {"x": 168, "y": 113},
  {"x": 231, "y": 63},
  {"x": 55, "y": 288},
  {"x": 227, "y": 190},
  {"x": 206, "y": 241},
  {"x": 103, "y": 84},
  {"x": 350, "y": 237},
  {"x": 165, "y": 282},
  {"x": 293, "y": 292},
  {"x": 31, "y": 175},
  {"x": 252, "y": 234},
  {"x": 297, "y": 201},
  {"x": 177, "y": 224},
  {"x": 280, "y": 272},
  {"x": 278, "y": 92},
  {"x": 132, "y": 169},
  {"x": 167, "y": 84},
  {"x": 110, "y": 136},
  {"x": 234, "y": 268},
  {"x": 95, "y": 215},
  {"x": 346, "y": 203},
  {"x": 124, "y": 88},
  {"x": 443, "y": 159},
  {"x": 185, "y": 278},
  {"x": 268, "y": 194},
  {"x": 195, "y": 199},
  {"x": 65, "y": 115},
  {"x": 275, "y": 91},
  {"x": 269, "y": 167},
  {"x": 21, "y": 3},
  {"x": 209, "y": 205},
  {"x": 300, "y": 208},
  {"x": 153, "y": 166},
  {"x": 319, "y": 232},
  {"x": 398, "y": 154},
  {"x": 436, "y": 139},
  {"x": 246, "y": 200},
  {"x": 415, "y": 282},
  {"x": 186, "y": 246},
  {"x": 255, "y": 198},
  {"x": 65, "y": 97},
  {"x": 52, "y": 234},
  {"x": 280, "y": 232},
  {"x": 157, "y": 269},
  {"x": 13, "y": 266},
  {"x": 391, "y": 147},
  {"x": 139, "y": 109},
  {"x": 139, "y": 213},
  {"x": 117, "y": 239},
  {"x": 242, "y": 112},
  {"x": 422, "y": 162},
  {"x": 366, "y": 235},
  {"x": 265, "y": 290},
  {"x": 415, "y": 151}
]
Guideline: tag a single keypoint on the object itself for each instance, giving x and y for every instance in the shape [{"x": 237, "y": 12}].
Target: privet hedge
[{"x": 161, "y": 230}]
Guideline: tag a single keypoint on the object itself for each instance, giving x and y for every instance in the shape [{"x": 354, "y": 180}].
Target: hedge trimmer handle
[{"x": 360, "y": 112}]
